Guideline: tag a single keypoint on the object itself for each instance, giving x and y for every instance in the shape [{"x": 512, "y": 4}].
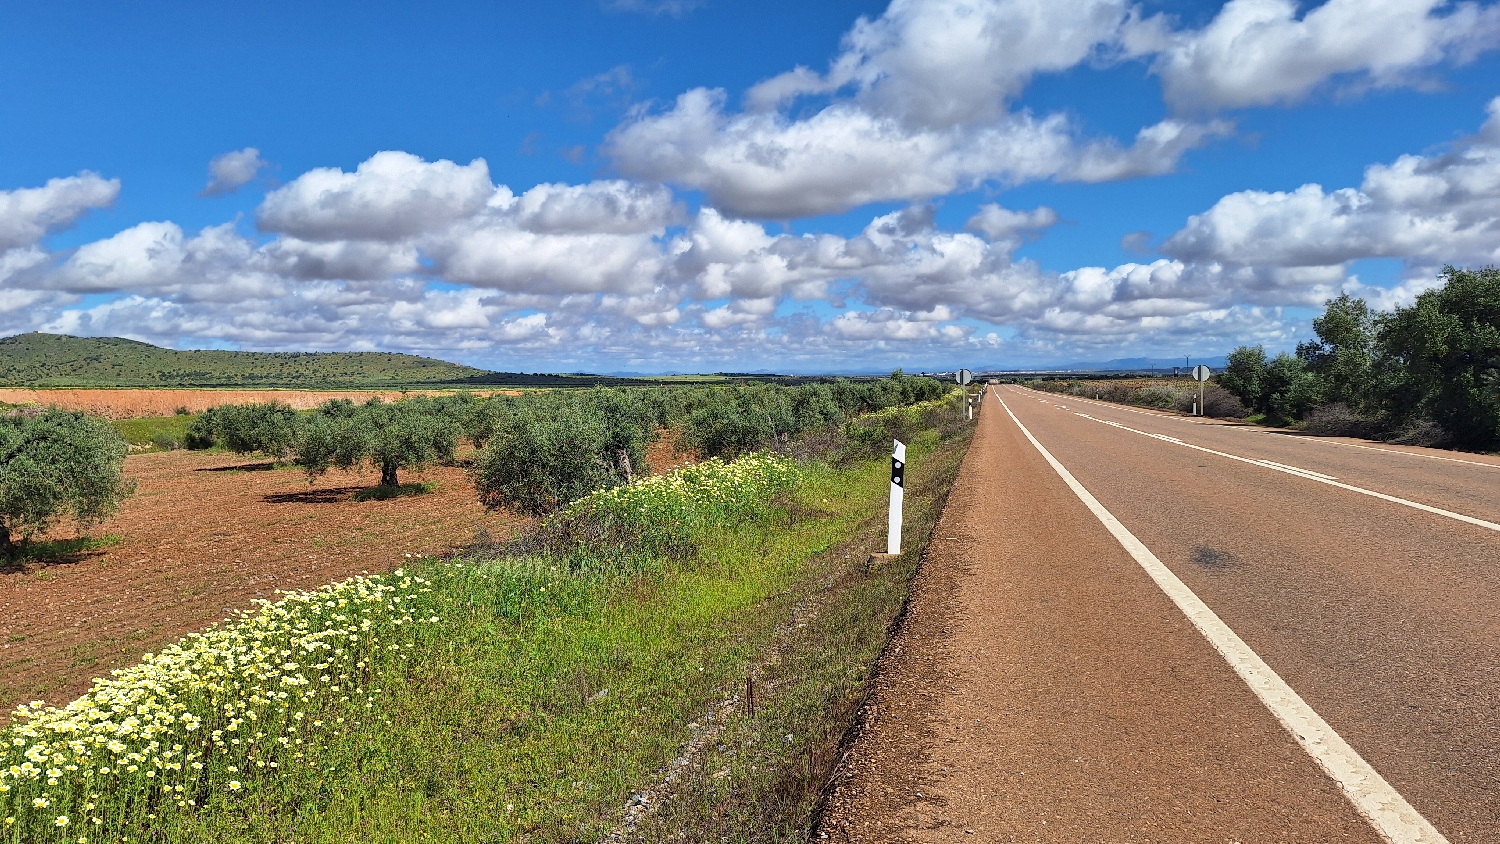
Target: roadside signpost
[
  {"x": 898, "y": 492},
  {"x": 1200, "y": 374},
  {"x": 964, "y": 377}
]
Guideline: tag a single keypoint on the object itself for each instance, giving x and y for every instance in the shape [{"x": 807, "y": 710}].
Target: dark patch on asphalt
[{"x": 1214, "y": 559}]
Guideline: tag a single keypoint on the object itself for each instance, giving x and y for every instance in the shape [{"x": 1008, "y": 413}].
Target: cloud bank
[{"x": 918, "y": 104}]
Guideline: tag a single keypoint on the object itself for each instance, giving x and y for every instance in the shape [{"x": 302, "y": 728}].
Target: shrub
[
  {"x": 870, "y": 435},
  {"x": 57, "y": 462},
  {"x": 165, "y": 441},
  {"x": 269, "y": 428},
  {"x": 1337, "y": 420},
  {"x": 1423, "y": 432},
  {"x": 663, "y": 515},
  {"x": 1222, "y": 404}
]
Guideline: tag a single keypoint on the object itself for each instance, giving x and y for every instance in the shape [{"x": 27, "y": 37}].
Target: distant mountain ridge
[
  {"x": 1119, "y": 365},
  {"x": 61, "y": 360}
]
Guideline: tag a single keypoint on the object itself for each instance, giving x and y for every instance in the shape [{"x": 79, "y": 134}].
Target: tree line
[
  {"x": 534, "y": 452},
  {"x": 538, "y": 451},
  {"x": 1427, "y": 374}
]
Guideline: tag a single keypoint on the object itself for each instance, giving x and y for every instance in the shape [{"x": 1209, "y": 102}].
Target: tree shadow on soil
[
  {"x": 30, "y": 556},
  {"x": 331, "y": 495},
  {"x": 241, "y": 467}
]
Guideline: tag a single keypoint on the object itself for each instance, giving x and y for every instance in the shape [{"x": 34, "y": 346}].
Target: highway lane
[
  {"x": 1464, "y": 483},
  {"x": 1384, "y": 618},
  {"x": 1043, "y": 688}
]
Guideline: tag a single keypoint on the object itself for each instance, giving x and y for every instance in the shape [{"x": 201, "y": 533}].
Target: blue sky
[{"x": 680, "y": 186}]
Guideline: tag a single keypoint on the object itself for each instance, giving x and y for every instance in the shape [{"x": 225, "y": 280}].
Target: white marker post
[{"x": 898, "y": 492}]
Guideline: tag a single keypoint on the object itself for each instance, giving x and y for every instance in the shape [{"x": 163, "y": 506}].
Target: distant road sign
[
  {"x": 1201, "y": 372},
  {"x": 963, "y": 377}
]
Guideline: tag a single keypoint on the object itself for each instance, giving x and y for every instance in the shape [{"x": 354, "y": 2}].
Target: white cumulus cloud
[
  {"x": 229, "y": 172},
  {"x": 29, "y": 214},
  {"x": 921, "y": 105},
  {"x": 392, "y": 195},
  {"x": 1435, "y": 208},
  {"x": 1261, "y": 52}
]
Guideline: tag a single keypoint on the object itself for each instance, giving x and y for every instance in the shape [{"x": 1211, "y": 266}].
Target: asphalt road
[{"x": 1046, "y": 688}]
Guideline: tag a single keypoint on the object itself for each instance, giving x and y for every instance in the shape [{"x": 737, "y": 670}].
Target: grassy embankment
[{"x": 552, "y": 690}]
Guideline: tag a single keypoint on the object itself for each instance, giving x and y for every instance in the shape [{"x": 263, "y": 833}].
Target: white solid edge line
[
  {"x": 1386, "y": 450},
  {"x": 1373, "y": 798},
  {"x": 1299, "y": 473}
]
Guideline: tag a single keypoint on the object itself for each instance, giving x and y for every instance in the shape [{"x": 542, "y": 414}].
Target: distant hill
[
  {"x": 58, "y": 360},
  {"x": 1116, "y": 365}
]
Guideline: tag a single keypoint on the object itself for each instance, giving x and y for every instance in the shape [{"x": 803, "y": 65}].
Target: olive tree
[
  {"x": 269, "y": 428},
  {"x": 558, "y": 448},
  {"x": 391, "y": 436},
  {"x": 56, "y": 463}
]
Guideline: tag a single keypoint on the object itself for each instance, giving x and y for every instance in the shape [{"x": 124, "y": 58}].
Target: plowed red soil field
[
  {"x": 207, "y": 533},
  {"x": 127, "y": 404}
]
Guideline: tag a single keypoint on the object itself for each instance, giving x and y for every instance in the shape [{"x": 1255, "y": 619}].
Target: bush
[
  {"x": 165, "y": 441},
  {"x": 1337, "y": 420},
  {"x": 870, "y": 435},
  {"x": 268, "y": 428},
  {"x": 1423, "y": 432},
  {"x": 1222, "y": 404},
  {"x": 57, "y": 462},
  {"x": 664, "y": 515}
]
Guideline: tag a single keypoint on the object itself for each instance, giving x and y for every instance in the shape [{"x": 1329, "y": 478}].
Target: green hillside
[{"x": 58, "y": 360}]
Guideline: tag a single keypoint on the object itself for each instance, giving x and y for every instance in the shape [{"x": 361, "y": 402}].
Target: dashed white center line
[{"x": 1376, "y": 800}]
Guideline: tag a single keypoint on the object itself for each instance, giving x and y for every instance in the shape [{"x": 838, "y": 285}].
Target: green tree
[
  {"x": 268, "y": 428},
  {"x": 1440, "y": 357},
  {"x": 1245, "y": 375},
  {"x": 57, "y": 463},
  {"x": 629, "y": 425},
  {"x": 1344, "y": 352},
  {"x": 331, "y": 437},
  {"x": 391, "y": 436},
  {"x": 550, "y": 452},
  {"x": 1290, "y": 389},
  {"x": 740, "y": 420}
]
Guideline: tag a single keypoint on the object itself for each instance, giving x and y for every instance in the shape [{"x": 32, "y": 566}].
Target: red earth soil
[
  {"x": 205, "y": 534},
  {"x": 127, "y": 404}
]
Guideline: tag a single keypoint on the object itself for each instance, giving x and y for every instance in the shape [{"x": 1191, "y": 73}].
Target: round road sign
[
  {"x": 1201, "y": 372},
  {"x": 963, "y": 377}
]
